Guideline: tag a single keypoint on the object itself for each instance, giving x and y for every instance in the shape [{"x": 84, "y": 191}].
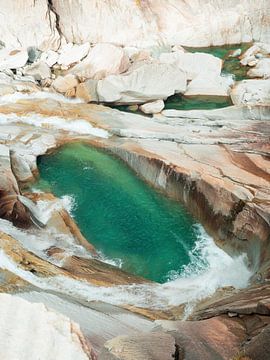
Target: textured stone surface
[
  {"x": 36, "y": 17},
  {"x": 53, "y": 336},
  {"x": 152, "y": 22},
  {"x": 102, "y": 60},
  {"x": 70, "y": 53},
  {"x": 145, "y": 82},
  {"x": 12, "y": 59},
  {"x": 65, "y": 83},
  {"x": 148, "y": 346},
  {"x": 216, "y": 338},
  {"x": 251, "y": 92},
  {"x": 154, "y": 107},
  {"x": 208, "y": 84},
  {"x": 87, "y": 90},
  {"x": 194, "y": 63},
  {"x": 39, "y": 70}
]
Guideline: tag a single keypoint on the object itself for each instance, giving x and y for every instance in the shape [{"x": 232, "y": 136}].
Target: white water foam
[
  {"x": 78, "y": 126},
  {"x": 210, "y": 268},
  {"x": 17, "y": 96}
]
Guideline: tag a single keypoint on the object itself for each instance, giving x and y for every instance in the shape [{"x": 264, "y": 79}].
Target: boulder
[
  {"x": 32, "y": 331},
  {"x": 261, "y": 70},
  {"x": 87, "y": 91},
  {"x": 65, "y": 83},
  {"x": 193, "y": 63},
  {"x": 142, "y": 83},
  {"x": 209, "y": 84},
  {"x": 50, "y": 57},
  {"x": 102, "y": 60},
  {"x": 148, "y": 346},
  {"x": 153, "y": 107},
  {"x": 12, "y": 59},
  {"x": 71, "y": 54},
  {"x": 39, "y": 70},
  {"x": 251, "y": 92}
]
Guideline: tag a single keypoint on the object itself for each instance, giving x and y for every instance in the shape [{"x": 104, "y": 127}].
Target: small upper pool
[{"x": 120, "y": 214}]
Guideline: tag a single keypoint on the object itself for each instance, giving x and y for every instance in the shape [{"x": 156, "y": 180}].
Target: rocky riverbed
[{"x": 60, "y": 84}]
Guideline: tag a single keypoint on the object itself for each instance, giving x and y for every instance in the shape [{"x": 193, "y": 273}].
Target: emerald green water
[
  {"x": 231, "y": 65},
  {"x": 119, "y": 213}
]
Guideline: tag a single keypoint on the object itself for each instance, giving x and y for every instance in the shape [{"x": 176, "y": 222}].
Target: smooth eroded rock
[
  {"x": 145, "y": 82},
  {"x": 65, "y": 83},
  {"x": 71, "y": 54},
  {"x": 39, "y": 70},
  {"x": 31, "y": 331},
  {"x": 12, "y": 59},
  {"x": 193, "y": 63},
  {"x": 148, "y": 346},
  {"x": 154, "y": 107},
  {"x": 102, "y": 60},
  {"x": 87, "y": 90}
]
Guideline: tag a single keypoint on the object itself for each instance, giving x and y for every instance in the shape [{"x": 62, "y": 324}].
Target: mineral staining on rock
[{"x": 214, "y": 161}]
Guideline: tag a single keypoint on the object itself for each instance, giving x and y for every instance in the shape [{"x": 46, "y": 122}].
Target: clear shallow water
[{"x": 120, "y": 214}]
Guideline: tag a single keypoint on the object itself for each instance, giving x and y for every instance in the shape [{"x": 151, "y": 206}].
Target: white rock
[
  {"x": 50, "y": 57},
  {"x": 88, "y": 91},
  {"x": 209, "y": 85},
  {"x": 30, "y": 331},
  {"x": 261, "y": 70},
  {"x": 102, "y": 60},
  {"x": 72, "y": 54},
  {"x": 145, "y": 82},
  {"x": 153, "y": 107},
  {"x": 193, "y": 63},
  {"x": 12, "y": 59},
  {"x": 39, "y": 70},
  {"x": 28, "y": 23},
  {"x": 251, "y": 92},
  {"x": 148, "y": 23},
  {"x": 63, "y": 84}
]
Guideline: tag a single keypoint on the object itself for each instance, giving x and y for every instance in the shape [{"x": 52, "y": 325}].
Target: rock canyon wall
[{"x": 140, "y": 23}]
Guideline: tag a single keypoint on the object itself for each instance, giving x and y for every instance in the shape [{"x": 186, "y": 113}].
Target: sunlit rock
[
  {"x": 142, "y": 83},
  {"x": 65, "y": 83},
  {"x": 102, "y": 60},
  {"x": 12, "y": 59},
  {"x": 261, "y": 69},
  {"x": 39, "y": 70},
  {"x": 251, "y": 92},
  {"x": 154, "y": 107},
  {"x": 29, "y": 23},
  {"x": 50, "y": 57},
  {"x": 71, "y": 54},
  {"x": 209, "y": 84},
  {"x": 193, "y": 63},
  {"x": 87, "y": 91},
  {"x": 53, "y": 335}
]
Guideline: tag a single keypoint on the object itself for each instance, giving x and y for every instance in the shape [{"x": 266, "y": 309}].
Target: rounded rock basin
[{"x": 121, "y": 215}]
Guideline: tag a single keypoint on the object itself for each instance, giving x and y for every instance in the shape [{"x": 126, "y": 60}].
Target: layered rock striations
[{"x": 146, "y": 22}]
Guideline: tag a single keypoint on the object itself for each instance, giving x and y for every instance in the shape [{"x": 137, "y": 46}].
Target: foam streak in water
[
  {"x": 210, "y": 268},
  {"x": 78, "y": 126}
]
